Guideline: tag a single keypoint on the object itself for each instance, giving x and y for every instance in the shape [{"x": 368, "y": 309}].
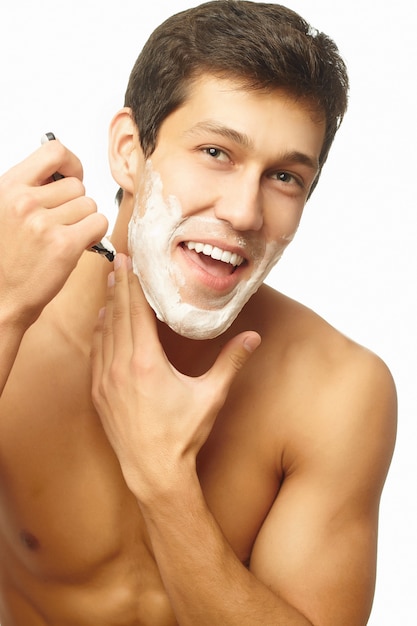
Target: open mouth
[{"x": 212, "y": 258}]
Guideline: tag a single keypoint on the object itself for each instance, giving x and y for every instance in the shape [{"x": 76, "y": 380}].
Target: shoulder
[
  {"x": 334, "y": 398},
  {"x": 311, "y": 348}
]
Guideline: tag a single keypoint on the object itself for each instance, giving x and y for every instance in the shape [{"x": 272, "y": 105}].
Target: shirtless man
[{"x": 220, "y": 462}]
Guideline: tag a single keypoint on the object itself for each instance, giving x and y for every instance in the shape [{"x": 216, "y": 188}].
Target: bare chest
[{"x": 68, "y": 523}]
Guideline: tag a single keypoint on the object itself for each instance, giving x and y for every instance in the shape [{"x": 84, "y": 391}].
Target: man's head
[
  {"x": 265, "y": 46},
  {"x": 230, "y": 112}
]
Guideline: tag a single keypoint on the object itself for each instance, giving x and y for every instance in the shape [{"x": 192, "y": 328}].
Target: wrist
[
  {"x": 11, "y": 334},
  {"x": 13, "y": 326},
  {"x": 15, "y": 319},
  {"x": 168, "y": 486}
]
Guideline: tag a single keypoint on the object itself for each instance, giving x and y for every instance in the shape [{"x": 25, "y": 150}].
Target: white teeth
[{"x": 216, "y": 253}]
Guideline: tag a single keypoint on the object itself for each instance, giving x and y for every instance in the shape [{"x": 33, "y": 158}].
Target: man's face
[{"x": 219, "y": 201}]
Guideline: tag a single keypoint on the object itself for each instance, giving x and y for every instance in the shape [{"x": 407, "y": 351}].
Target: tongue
[{"x": 213, "y": 267}]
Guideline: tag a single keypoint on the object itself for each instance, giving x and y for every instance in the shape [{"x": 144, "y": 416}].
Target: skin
[
  {"x": 187, "y": 211},
  {"x": 223, "y": 481}
]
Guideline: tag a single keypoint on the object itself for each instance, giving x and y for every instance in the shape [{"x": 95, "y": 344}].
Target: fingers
[
  {"x": 122, "y": 335},
  {"x": 26, "y": 185},
  {"x": 128, "y": 326},
  {"x": 38, "y": 167},
  {"x": 72, "y": 210},
  {"x": 144, "y": 330},
  {"x": 126, "y": 308},
  {"x": 35, "y": 207},
  {"x": 44, "y": 229},
  {"x": 126, "y": 337},
  {"x": 133, "y": 379},
  {"x": 56, "y": 193},
  {"x": 231, "y": 360},
  {"x": 55, "y": 157},
  {"x": 79, "y": 236},
  {"x": 117, "y": 328}
]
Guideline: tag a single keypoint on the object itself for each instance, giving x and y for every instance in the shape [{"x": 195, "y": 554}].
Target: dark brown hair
[{"x": 266, "y": 46}]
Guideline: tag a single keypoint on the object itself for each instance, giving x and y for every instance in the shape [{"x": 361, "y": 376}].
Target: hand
[
  {"x": 44, "y": 227},
  {"x": 155, "y": 417}
]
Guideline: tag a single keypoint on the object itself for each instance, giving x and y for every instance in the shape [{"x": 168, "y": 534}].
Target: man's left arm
[
  {"x": 314, "y": 557},
  {"x": 318, "y": 544}
]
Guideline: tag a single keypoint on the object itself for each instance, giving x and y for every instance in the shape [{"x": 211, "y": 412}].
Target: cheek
[
  {"x": 281, "y": 225},
  {"x": 191, "y": 185}
]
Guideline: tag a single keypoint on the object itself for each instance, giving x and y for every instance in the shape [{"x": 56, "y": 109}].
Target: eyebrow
[
  {"x": 219, "y": 129},
  {"x": 243, "y": 140},
  {"x": 304, "y": 159}
]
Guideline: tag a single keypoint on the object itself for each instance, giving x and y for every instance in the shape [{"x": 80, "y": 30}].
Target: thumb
[{"x": 232, "y": 358}]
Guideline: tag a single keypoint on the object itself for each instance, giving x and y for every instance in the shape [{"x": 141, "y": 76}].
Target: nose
[{"x": 240, "y": 204}]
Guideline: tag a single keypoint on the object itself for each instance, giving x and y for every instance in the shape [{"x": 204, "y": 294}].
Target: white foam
[{"x": 155, "y": 223}]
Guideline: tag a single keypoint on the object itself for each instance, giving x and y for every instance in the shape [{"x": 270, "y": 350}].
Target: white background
[{"x": 64, "y": 67}]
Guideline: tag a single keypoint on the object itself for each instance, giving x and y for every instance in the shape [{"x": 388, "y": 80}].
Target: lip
[{"x": 218, "y": 283}]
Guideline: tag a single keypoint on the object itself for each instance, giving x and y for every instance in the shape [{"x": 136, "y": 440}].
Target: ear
[{"x": 124, "y": 149}]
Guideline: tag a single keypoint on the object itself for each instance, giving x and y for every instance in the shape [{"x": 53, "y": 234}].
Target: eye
[
  {"x": 285, "y": 177},
  {"x": 216, "y": 153},
  {"x": 288, "y": 179}
]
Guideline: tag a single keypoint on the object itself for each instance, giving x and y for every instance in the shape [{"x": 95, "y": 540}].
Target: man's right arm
[{"x": 45, "y": 225}]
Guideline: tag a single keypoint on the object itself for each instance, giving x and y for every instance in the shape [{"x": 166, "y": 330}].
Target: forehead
[{"x": 261, "y": 117}]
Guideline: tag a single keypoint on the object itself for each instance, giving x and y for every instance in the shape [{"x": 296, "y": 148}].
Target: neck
[
  {"x": 75, "y": 308},
  {"x": 191, "y": 357}
]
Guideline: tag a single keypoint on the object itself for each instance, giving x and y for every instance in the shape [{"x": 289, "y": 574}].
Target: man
[{"x": 227, "y": 466}]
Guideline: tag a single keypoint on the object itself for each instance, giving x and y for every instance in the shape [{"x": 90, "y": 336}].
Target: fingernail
[
  {"x": 117, "y": 261},
  {"x": 110, "y": 280},
  {"x": 251, "y": 342}
]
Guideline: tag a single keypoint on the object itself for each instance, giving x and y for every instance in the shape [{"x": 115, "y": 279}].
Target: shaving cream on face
[{"x": 154, "y": 225}]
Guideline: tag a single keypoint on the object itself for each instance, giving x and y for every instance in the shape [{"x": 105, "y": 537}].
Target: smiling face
[{"x": 219, "y": 201}]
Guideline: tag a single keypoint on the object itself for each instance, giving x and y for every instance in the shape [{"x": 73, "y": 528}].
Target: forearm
[{"x": 204, "y": 579}]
